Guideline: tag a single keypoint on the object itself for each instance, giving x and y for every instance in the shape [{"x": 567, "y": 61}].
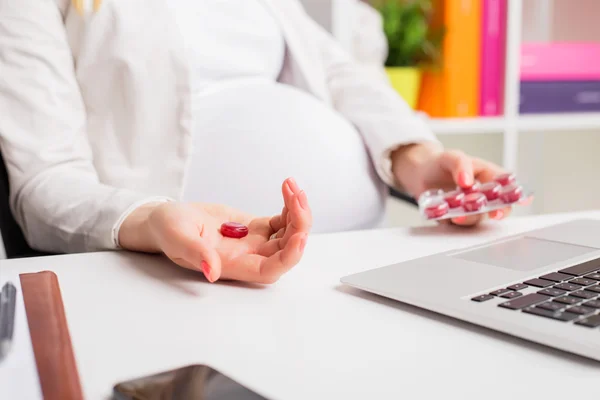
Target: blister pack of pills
[{"x": 504, "y": 191}]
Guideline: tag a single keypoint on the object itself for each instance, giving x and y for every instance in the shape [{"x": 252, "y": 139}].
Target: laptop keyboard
[{"x": 569, "y": 295}]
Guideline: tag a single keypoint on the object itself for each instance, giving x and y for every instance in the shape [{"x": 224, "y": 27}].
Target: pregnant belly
[{"x": 248, "y": 139}]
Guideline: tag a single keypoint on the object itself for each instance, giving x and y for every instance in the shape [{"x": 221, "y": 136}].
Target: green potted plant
[{"x": 413, "y": 43}]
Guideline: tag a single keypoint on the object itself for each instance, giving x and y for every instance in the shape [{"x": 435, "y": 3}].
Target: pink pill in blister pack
[
  {"x": 474, "y": 188},
  {"x": 511, "y": 193},
  {"x": 503, "y": 191},
  {"x": 506, "y": 179},
  {"x": 491, "y": 190},
  {"x": 436, "y": 209},
  {"x": 474, "y": 201},
  {"x": 454, "y": 198}
]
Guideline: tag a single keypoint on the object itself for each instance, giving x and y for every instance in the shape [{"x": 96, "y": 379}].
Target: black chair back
[
  {"x": 403, "y": 196},
  {"x": 15, "y": 245}
]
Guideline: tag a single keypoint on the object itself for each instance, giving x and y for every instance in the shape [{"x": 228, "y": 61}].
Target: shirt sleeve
[{"x": 55, "y": 193}]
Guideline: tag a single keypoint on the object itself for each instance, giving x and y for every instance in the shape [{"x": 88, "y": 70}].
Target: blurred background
[{"x": 516, "y": 82}]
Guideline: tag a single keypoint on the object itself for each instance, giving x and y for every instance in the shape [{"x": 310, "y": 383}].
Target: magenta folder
[
  {"x": 492, "y": 57},
  {"x": 561, "y": 61}
]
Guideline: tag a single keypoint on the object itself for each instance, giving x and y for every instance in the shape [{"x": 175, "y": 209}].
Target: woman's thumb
[{"x": 202, "y": 256}]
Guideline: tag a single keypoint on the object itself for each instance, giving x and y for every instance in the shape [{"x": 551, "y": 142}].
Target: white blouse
[
  {"x": 229, "y": 40},
  {"x": 251, "y": 132}
]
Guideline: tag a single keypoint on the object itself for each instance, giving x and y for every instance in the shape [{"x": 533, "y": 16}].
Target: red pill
[
  {"x": 436, "y": 209},
  {"x": 511, "y": 193},
  {"x": 234, "y": 230},
  {"x": 454, "y": 198},
  {"x": 474, "y": 201},
  {"x": 506, "y": 179},
  {"x": 472, "y": 189},
  {"x": 491, "y": 190}
]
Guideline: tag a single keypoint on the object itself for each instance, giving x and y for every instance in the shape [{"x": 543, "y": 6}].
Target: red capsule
[
  {"x": 506, "y": 179},
  {"x": 491, "y": 190},
  {"x": 474, "y": 201},
  {"x": 511, "y": 193},
  {"x": 454, "y": 198},
  {"x": 436, "y": 209},
  {"x": 234, "y": 230},
  {"x": 472, "y": 189}
]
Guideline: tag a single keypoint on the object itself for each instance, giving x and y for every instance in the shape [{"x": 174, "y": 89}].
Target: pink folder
[
  {"x": 562, "y": 61},
  {"x": 492, "y": 57}
]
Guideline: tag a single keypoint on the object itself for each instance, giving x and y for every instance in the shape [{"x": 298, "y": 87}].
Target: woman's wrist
[
  {"x": 407, "y": 160},
  {"x": 135, "y": 233}
]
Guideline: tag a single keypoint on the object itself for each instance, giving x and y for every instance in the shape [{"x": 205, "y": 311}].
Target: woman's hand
[
  {"x": 421, "y": 167},
  {"x": 189, "y": 234}
]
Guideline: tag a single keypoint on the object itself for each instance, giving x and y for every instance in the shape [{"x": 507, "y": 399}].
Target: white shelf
[
  {"x": 559, "y": 122},
  {"x": 467, "y": 126},
  {"x": 525, "y": 123}
]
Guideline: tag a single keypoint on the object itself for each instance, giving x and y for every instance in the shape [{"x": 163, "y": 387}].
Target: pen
[{"x": 7, "y": 317}]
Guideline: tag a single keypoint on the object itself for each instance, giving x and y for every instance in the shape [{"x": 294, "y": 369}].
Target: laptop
[{"x": 542, "y": 285}]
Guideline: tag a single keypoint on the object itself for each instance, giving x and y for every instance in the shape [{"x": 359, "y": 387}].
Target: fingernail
[
  {"x": 459, "y": 220},
  {"x": 293, "y": 185},
  {"x": 303, "y": 242},
  {"x": 303, "y": 200},
  {"x": 499, "y": 214},
  {"x": 206, "y": 270},
  {"x": 465, "y": 179}
]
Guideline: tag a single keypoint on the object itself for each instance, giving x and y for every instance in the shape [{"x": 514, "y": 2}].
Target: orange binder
[{"x": 453, "y": 89}]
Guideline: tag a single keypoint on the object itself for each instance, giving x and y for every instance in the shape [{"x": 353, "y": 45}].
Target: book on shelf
[
  {"x": 560, "y": 61},
  {"x": 493, "y": 42},
  {"x": 454, "y": 89},
  {"x": 559, "y": 96}
]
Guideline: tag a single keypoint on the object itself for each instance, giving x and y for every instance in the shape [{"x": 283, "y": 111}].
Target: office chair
[
  {"x": 403, "y": 196},
  {"x": 15, "y": 245}
]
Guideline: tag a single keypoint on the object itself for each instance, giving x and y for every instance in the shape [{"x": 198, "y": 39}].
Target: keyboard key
[
  {"x": 524, "y": 301},
  {"x": 499, "y": 292},
  {"x": 483, "y": 297},
  {"x": 512, "y": 295},
  {"x": 557, "y": 315},
  {"x": 595, "y": 288},
  {"x": 556, "y": 277},
  {"x": 592, "y": 303},
  {"x": 583, "y": 268},
  {"x": 579, "y": 310},
  {"x": 590, "y": 322},
  {"x": 569, "y": 287},
  {"x": 583, "y": 281},
  {"x": 539, "y": 283},
  {"x": 518, "y": 286},
  {"x": 552, "y": 292},
  {"x": 595, "y": 276},
  {"x": 567, "y": 300},
  {"x": 584, "y": 294},
  {"x": 552, "y": 306}
]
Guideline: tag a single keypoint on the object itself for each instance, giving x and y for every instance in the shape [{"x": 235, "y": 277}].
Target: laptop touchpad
[{"x": 524, "y": 253}]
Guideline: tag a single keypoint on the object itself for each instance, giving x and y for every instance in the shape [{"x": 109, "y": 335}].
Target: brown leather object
[{"x": 50, "y": 337}]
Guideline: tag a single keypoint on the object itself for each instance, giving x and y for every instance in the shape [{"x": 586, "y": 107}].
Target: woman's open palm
[{"x": 190, "y": 235}]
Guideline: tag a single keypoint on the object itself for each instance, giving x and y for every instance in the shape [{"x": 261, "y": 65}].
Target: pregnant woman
[{"x": 147, "y": 124}]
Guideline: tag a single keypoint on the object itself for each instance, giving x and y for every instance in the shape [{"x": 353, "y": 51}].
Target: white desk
[{"x": 306, "y": 337}]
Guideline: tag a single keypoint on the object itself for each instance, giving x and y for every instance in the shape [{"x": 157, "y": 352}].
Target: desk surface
[{"x": 306, "y": 337}]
